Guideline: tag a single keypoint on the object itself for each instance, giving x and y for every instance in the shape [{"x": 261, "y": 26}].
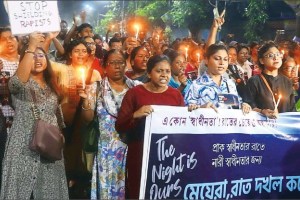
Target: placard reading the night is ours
[
  {"x": 226, "y": 155},
  {"x": 28, "y": 16}
]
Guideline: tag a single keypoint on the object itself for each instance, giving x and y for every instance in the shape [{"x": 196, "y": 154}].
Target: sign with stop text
[
  {"x": 227, "y": 155},
  {"x": 28, "y": 16}
]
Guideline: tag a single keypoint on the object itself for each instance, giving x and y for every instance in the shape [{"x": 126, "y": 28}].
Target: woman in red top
[{"x": 136, "y": 106}]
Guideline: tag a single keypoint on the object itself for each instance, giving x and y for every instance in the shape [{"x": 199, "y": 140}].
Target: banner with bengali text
[{"x": 226, "y": 155}]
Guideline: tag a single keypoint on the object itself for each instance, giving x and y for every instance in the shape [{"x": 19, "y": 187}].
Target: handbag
[
  {"x": 47, "y": 139},
  {"x": 92, "y": 132}
]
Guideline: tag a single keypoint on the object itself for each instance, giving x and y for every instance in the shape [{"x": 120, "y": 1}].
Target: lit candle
[
  {"x": 82, "y": 74},
  {"x": 278, "y": 101},
  {"x": 296, "y": 72},
  {"x": 158, "y": 38},
  {"x": 282, "y": 51},
  {"x": 137, "y": 31},
  {"x": 198, "y": 57},
  {"x": 186, "y": 53}
]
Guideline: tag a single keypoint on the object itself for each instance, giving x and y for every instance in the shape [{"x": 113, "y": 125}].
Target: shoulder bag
[{"x": 47, "y": 139}]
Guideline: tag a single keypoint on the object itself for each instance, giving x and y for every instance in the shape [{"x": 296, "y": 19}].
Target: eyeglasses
[
  {"x": 273, "y": 55},
  {"x": 91, "y": 43},
  {"x": 117, "y": 63},
  {"x": 38, "y": 55}
]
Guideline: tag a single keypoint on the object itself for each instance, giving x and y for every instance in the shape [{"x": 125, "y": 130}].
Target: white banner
[{"x": 28, "y": 16}]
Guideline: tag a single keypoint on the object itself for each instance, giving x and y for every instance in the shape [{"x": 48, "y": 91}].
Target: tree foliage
[{"x": 257, "y": 17}]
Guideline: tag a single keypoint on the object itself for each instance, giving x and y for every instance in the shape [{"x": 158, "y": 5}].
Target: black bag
[
  {"x": 91, "y": 131},
  {"x": 91, "y": 136}
]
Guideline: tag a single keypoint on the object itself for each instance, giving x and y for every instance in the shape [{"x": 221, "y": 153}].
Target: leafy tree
[
  {"x": 257, "y": 17},
  {"x": 191, "y": 14}
]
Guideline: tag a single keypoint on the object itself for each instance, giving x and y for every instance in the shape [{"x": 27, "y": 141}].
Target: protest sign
[
  {"x": 28, "y": 16},
  {"x": 226, "y": 155}
]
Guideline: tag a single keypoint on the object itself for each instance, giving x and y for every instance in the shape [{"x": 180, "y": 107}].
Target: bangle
[
  {"x": 28, "y": 51},
  {"x": 89, "y": 108}
]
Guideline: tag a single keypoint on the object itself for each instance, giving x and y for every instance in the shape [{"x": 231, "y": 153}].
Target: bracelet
[
  {"x": 89, "y": 108},
  {"x": 28, "y": 51}
]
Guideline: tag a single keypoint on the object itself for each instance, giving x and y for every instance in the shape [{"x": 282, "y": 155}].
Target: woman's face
[
  {"x": 272, "y": 59},
  {"x": 115, "y": 67},
  {"x": 232, "y": 55},
  {"x": 8, "y": 43},
  {"x": 288, "y": 67},
  {"x": 178, "y": 65},
  {"x": 140, "y": 60},
  {"x": 243, "y": 55},
  {"x": 160, "y": 75},
  {"x": 91, "y": 44},
  {"x": 217, "y": 63},
  {"x": 79, "y": 55},
  {"x": 40, "y": 62}
]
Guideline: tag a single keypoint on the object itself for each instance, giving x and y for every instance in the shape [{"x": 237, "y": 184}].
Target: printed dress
[
  {"x": 108, "y": 179},
  {"x": 24, "y": 171}
]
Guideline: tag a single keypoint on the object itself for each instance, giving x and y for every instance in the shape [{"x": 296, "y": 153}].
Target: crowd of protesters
[{"x": 134, "y": 72}]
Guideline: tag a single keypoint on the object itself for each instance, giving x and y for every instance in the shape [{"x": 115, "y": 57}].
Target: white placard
[{"x": 29, "y": 16}]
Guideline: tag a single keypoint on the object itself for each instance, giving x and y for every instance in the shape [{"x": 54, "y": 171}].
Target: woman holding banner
[
  {"x": 271, "y": 92},
  {"x": 136, "y": 106},
  {"x": 212, "y": 89}
]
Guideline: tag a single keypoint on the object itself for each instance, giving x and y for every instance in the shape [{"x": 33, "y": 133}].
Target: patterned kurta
[
  {"x": 204, "y": 90},
  {"x": 108, "y": 181},
  {"x": 24, "y": 171}
]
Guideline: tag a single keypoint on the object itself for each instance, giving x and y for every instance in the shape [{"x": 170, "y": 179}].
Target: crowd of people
[{"x": 134, "y": 72}]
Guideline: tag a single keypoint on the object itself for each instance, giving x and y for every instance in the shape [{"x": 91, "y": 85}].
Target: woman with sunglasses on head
[
  {"x": 27, "y": 175},
  {"x": 271, "y": 87},
  {"x": 108, "y": 180},
  {"x": 212, "y": 89}
]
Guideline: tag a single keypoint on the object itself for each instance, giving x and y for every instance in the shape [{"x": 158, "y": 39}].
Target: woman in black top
[{"x": 260, "y": 97}]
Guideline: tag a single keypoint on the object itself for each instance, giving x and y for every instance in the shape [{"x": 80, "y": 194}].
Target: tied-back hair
[
  {"x": 172, "y": 54},
  {"x": 214, "y": 48},
  {"x": 48, "y": 74},
  {"x": 263, "y": 49},
  {"x": 110, "y": 52},
  {"x": 156, "y": 59}
]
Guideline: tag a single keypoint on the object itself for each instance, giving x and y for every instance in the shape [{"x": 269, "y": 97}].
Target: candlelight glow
[
  {"x": 82, "y": 75},
  {"x": 198, "y": 57},
  {"x": 137, "y": 28}
]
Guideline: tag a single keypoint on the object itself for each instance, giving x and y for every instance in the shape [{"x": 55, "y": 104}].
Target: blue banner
[{"x": 205, "y": 155}]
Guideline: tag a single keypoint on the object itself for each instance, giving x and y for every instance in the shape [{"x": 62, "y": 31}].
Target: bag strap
[
  {"x": 268, "y": 86},
  {"x": 36, "y": 113}
]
